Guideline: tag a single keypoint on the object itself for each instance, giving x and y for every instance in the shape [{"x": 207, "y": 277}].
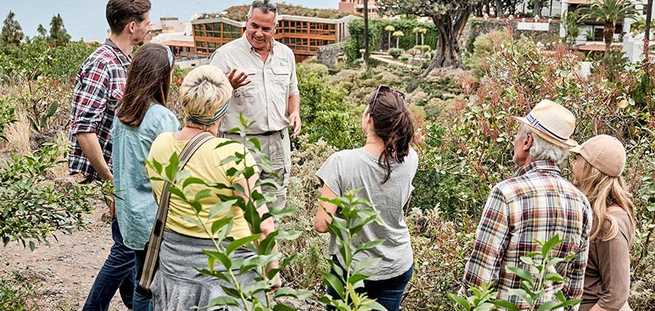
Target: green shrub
[
  {"x": 37, "y": 58},
  {"x": 325, "y": 113},
  {"x": 15, "y": 293},
  {"x": 404, "y": 58},
  {"x": 395, "y": 53},
  {"x": 32, "y": 206},
  {"x": 7, "y": 115}
]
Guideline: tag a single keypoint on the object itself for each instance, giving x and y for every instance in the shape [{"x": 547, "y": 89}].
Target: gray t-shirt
[{"x": 357, "y": 169}]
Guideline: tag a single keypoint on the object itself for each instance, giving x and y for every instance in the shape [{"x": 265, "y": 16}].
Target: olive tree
[{"x": 449, "y": 17}]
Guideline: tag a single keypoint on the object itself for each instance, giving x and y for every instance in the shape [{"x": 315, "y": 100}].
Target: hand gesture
[
  {"x": 238, "y": 79},
  {"x": 296, "y": 124}
]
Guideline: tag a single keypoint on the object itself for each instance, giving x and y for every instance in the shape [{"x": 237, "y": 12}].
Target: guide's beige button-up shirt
[{"x": 265, "y": 99}]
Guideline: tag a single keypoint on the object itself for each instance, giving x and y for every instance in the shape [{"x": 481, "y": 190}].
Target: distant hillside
[{"x": 239, "y": 12}]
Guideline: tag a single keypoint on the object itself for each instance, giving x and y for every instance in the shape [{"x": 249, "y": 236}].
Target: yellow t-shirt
[{"x": 204, "y": 164}]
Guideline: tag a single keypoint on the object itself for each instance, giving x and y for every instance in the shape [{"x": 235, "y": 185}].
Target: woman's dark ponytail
[{"x": 392, "y": 122}]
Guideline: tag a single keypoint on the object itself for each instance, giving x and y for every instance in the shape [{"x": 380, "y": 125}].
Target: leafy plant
[
  {"x": 32, "y": 207},
  {"x": 262, "y": 294},
  {"x": 7, "y": 115},
  {"x": 395, "y": 53},
  {"x": 540, "y": 274},
  {"x": 353, "y": 214}
]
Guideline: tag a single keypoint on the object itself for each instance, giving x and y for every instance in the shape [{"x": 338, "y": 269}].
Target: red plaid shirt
[
  {"x": 100, "y": 85},
  {"x": 537, "y": 204}
]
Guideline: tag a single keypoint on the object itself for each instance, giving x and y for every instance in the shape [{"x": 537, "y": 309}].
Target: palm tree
[
  {"x": 397, "y": 35},
  {"x": 389, "y": 29},
  {"x": 420, "y": 32},
  {"x": 609, "y": 12},
  {"x": 416, "y": 31}
]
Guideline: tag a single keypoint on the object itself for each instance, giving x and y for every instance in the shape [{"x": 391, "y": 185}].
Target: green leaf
[
  {"x": 248, "y": 172},
  {"x": 506, "y": 305},
  {"x": 231, "y": 291},
  {"x": 219, "y": 224},
  {"x": 548, "y": 246},
  {"x": 220, "y": 256},
  {"x": 282, "y": 307},
  {"x": 548, "y": 306},
  {"x": 240, "y": 242},
  {"x": 221, "y": 207},
  {"x": 177, "y": 192},
  {"x": 356, "y": 278},
  {"x": 224, "y": 301},
  {"x": 368, "y": 245},
  {"x": 524, "y": 275},
  {"x": 554, "y": 277},
  {"x": 460, "y": 301},
  {"x": 255, "y": 142},
  {"x": 335, "y": 283},
  {"x": 171, "y": 168},
  {"x": 203, "y": 194},
  {"x": 227, "y": 142},
  {"x": 193, "y": 181}
]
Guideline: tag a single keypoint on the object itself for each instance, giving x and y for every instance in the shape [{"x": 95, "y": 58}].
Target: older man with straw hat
[{"x": 535, "y": 205}]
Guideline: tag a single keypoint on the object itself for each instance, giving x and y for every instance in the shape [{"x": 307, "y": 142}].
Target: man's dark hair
[
  {"x": 122, "y": 12},
  {"x": 265, "y": 6}
]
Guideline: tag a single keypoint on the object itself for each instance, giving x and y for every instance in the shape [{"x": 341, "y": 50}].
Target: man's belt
[{"x": 267, "y": 133}]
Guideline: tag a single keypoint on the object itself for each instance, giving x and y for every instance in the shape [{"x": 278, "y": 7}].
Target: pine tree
[
  {"x": 42, "y": 33},
  {"x": 12, "y": 33},
  {"x": 58, "y": 34}
]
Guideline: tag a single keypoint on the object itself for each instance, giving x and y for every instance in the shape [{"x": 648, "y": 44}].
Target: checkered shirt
[
  {"x": 537, "y": 204},
  {"x": 100, "y": 85}
]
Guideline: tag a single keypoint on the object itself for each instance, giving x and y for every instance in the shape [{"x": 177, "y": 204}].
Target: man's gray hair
[
  {"x": 264, "y": 5},
  {"x": 544, "y": 150}
]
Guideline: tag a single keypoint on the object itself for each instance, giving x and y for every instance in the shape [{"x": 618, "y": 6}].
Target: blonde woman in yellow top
[{"x": 177, "y": 284}]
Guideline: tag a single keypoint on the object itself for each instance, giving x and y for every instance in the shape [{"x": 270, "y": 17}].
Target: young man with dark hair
[{"x": 100, "y": 85}]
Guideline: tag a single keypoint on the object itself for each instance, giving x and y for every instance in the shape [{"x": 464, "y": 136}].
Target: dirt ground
[{"x": 61, "y": 274}]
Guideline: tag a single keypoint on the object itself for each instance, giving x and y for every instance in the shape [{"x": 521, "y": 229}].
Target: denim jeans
[
  {"x": 117, "y": 273},
  {"x": 388, "y": 293},
  {"x": 142, "y": 297}
]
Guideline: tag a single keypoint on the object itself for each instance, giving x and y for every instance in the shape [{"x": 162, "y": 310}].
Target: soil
[{"x": 60, "y": 274}]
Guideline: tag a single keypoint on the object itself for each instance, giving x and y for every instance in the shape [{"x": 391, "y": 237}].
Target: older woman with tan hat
[
  {"x": 535, "y": 205},
  {"x": 177, "y": 285},
  {"x": 597, "y": 172}
]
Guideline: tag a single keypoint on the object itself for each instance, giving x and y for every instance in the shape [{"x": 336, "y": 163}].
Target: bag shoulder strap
[{"x": 156, "y": 236}]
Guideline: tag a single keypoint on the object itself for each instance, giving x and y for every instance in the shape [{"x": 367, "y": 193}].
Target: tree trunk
[
  {"x": 649, "y": 18},
  {"x": 397, "y": 42},
  {"x": 389, "y": 42},
  {"x": 608, "y": 36},
  {"x": 366, "y": 44},
  {"x": 450, "y": 28},
  {"x": 537, "y": 8},
  {"x": 499, "y": 8},
  {"x": 422, "y": 39}
]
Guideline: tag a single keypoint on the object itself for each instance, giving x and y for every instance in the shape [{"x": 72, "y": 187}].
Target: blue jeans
[
  {"x": 142, "y": 297},
  {"x": 388, "y": 293},
  {"x": 116, "y": 274}
]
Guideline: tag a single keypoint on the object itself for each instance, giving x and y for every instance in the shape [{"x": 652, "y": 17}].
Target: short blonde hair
[{"x": 204, "y": 91}]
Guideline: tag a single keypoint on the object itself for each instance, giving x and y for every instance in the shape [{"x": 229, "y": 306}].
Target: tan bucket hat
[
  {"x": 605, "y": 153},
  {"x": 552, "y": 122}
]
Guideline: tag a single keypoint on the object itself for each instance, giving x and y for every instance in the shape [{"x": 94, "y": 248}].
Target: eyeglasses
[{"x": 385, "y": 89}]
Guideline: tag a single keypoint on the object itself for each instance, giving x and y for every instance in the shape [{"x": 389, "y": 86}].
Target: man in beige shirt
[{"x": 262, "y": 72}]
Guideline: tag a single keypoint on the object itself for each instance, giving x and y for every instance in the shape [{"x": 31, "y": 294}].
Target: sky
[{"x": 86, "y": 18}]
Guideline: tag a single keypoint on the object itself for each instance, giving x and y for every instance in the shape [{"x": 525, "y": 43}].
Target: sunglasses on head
[{"x": 386, "y": 89}]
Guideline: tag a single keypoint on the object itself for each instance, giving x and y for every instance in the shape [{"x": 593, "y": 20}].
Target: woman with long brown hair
[
  {"x": 141, "y": 116},
  {"x": 597, "y": 173},
  {"x": 382, "y": 170}
]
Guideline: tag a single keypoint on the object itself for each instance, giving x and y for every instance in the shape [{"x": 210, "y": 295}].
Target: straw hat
[
  {"x": 552, "y": 122},
  {"x": 605, "y": 153}
]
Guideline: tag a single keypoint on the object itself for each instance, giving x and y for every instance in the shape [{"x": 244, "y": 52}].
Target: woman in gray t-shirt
[{"x": 383, "y": 170}]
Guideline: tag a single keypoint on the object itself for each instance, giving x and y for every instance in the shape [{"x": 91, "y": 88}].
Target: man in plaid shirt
[
  {"x": 100, "y": 85},
  {"x": 535, "y": 205}
]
